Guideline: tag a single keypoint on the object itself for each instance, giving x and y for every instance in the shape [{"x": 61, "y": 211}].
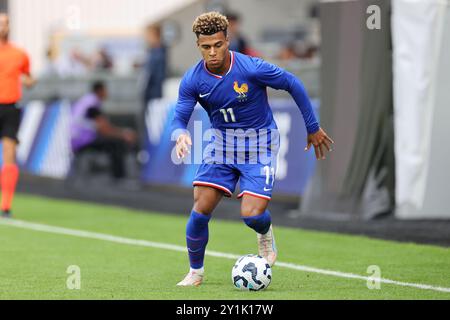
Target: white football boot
[
  {"x": 267, "y": 247},
  {"x": 193, "y": 278}
]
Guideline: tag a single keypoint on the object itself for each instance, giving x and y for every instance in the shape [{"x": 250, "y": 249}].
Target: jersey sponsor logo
[
  {"x": 202, "y": 95},
  {"x": 241, "y": 90},
  {"x": 267, "y": 189}
]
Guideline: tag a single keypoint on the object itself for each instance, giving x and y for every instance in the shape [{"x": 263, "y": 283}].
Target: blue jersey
[
  {"x": 237, "y": 102},
  {"x": 238, "y": 99}
]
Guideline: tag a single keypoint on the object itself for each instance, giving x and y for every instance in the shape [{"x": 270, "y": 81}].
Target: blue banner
[{"x": 295, "y": 166}]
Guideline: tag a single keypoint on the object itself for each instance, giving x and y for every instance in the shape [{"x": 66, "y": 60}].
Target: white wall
[{"x": 421, "y": 106}]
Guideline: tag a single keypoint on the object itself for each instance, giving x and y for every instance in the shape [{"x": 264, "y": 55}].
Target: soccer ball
[{"x": 251, "y": 272}]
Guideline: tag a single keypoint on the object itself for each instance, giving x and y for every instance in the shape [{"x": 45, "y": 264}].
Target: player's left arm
[
  {"x": 270, "y": 75},
  {"x": 28, "y": 80}
]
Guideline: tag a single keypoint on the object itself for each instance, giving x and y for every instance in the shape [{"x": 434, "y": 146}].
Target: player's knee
[
  {"x": 9, "y": 151},
  {"x": 206, "y": 199},
  {"x": 252, "y": 210},
  {"x": 203, "y": 206},
  {"x": 252, "y": 206},
  {"x": 202, "y": 209}
]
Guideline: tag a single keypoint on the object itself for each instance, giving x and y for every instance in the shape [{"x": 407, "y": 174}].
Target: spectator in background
[
  {"x": 155, "y": 66},
  {"x": 91, "y": 130},
  {"x": 314, "y": 37},
  {"x": 289, "y": 57},
  {"x": 293, "y": 54},
  {"x": 77, "y": 63},
  {"x": 71, "y": 64},
  {"x": 288, "y": 52},
  {"x": 50, "y": 68},
  {"x": 154, "y": 74},
  {"x": 102, "y": 61},
  {"x": 238, "y": 42}
]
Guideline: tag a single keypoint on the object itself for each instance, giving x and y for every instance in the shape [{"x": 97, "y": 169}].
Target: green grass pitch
[{"x": 33, "y": 264}]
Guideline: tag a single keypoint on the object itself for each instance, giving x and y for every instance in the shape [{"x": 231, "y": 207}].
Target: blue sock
[
  {"x": 260, "y": 223},
  {"x": 197, "y": 238}
]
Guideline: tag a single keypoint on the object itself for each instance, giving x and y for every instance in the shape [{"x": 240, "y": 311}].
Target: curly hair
[{"x": 210, "y": 23}]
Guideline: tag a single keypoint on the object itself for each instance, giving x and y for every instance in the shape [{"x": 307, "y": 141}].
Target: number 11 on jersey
[{"x": 225, "y": 115}]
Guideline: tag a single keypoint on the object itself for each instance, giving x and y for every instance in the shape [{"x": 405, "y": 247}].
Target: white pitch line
[{"x": 166, "y": 246}]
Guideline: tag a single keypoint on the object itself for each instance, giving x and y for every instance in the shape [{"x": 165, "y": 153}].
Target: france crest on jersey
[{"x": 244, "y": 137}]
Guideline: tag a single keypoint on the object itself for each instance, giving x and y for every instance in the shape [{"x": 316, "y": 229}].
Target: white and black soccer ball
[{"x": 251, "y": 272}]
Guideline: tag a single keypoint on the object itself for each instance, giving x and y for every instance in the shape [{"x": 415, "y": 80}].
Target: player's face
[
  {"x": 103, "y": 93},
  {"x": 152, "y": 37},
  {"x": 214, "y": 49},
  {"x": 4, "y": 26}
]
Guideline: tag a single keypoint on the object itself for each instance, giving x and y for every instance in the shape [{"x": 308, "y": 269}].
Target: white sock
[{"x": 198, "y": 271}]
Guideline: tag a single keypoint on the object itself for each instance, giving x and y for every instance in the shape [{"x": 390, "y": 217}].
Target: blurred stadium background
[
  {"x": 381, "y": 91},
  {"x": 382, "y": 95}
]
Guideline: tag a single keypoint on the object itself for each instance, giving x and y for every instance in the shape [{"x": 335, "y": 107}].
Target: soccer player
[
  {"x": 231, "y": 87},
  {"x": 14, "y": 64}
]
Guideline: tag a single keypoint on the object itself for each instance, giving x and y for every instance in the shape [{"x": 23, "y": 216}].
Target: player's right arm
[
  {"x": 28, "y": 79},
  {"x": 106, "y": 129},
  {"x": 187, "y": 99}
]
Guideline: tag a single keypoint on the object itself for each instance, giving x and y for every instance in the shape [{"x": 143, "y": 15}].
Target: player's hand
[
  {"x": 129, "y": 136},
  {"x": 183, "y": 145},
  {"x": 28, "y": 81},
  {"x": 321, "y": 141}
]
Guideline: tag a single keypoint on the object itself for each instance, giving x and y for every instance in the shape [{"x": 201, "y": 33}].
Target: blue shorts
[{"x": 255, "y": 179}]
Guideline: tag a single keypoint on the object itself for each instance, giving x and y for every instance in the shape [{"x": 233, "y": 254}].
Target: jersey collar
[{"x": 219, "y": 76}]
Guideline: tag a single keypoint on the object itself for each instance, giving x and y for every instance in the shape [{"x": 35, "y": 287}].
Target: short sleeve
[{"x": 25, "y": 64}]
